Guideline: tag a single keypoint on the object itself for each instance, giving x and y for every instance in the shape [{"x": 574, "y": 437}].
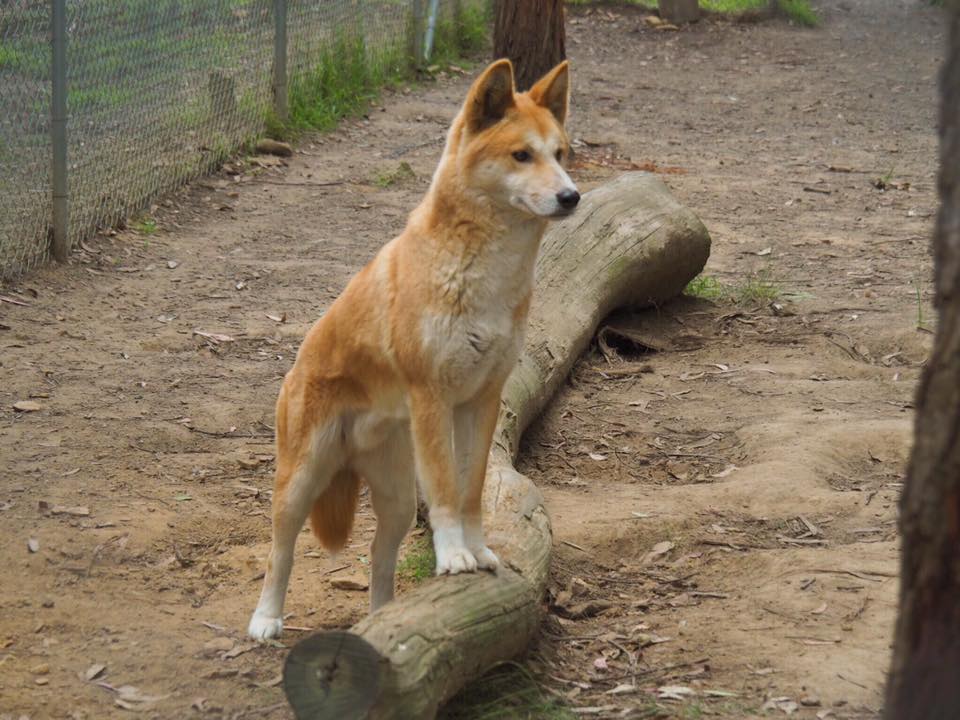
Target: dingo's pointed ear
[
  {"x": 490, "y": 96},
  {"x": 552, "y": 91}
]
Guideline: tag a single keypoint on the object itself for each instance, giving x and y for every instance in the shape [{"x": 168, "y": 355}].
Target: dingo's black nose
[{"x": 568, "y": 199}]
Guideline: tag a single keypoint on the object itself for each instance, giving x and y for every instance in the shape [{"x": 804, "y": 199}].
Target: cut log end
[{"x": 333, "y": 675}]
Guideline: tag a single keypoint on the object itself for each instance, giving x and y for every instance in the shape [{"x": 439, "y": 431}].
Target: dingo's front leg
[
  {"x": 431, "y": 425},
  {"x": 475, "y": 423}
]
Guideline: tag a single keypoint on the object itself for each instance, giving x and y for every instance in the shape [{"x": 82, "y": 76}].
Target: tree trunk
[
  {"x": 924, "y": 678},
  {"x": 680, "y": 12},
  {"x": 531, "y": 34},
  {"x": 629, "y": 244}
]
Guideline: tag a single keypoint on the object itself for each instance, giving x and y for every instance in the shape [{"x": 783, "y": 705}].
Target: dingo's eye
[
  {"x": 559, "y": 155},
  {"x": 521, "y": 156}
]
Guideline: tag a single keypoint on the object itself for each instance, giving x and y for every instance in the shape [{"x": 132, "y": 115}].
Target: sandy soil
[{"x": 724, "y": 508}]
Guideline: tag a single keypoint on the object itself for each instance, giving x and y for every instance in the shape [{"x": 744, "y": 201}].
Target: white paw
[
  {"x": 486, "y": 558},
  {"x": 263, "y": 628},
  {"x": 454, "y": 560}
]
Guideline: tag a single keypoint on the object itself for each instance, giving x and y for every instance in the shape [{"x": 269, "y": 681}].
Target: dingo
[{"x": 401, "y": 378}]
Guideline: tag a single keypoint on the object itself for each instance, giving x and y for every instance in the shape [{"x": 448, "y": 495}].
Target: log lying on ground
[{"x": 630, "y": 244}]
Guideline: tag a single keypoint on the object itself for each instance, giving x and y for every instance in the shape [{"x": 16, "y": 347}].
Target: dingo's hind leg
[
  {"x": 304, "y": 471},
  {"x": 389, "y": 472}
]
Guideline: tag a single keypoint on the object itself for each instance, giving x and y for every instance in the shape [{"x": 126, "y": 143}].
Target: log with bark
[{"x": 630, "y": 244}]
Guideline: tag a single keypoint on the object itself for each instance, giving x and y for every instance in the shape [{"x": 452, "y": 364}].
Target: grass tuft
[
  {"x": 342, "y": 82},
  {"x": 419, "y": 561},
  {"x": 758, "y": 288},
  {"x": 146, "y": 226},
  {"x": 706, "y": 287},
  {"x": 464, "y": 33},
  {"x": 400, "y": 174},
  {"x": 348, "y": 74},
  {"x": 800, "y": 12},
  {"x": 797, "y": 10},
  {"x": 8, "y": 56}
]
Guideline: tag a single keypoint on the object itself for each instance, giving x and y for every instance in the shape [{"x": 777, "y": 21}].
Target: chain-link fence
[{"x": 159, "y": 91}]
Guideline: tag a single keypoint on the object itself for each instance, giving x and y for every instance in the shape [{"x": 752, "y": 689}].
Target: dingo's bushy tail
[{"x": 332, "y": 515}]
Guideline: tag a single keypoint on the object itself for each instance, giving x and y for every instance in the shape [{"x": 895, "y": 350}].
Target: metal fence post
[
  {"x": 431, "y": 27},
  {"x": 58, "y": 128},
  {"x": 280, "y": 58},
  {"x": 416, "y": 39}
]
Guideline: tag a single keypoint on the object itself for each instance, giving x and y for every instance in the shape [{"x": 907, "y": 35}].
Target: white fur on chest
[{"x": 481, "y": 335}]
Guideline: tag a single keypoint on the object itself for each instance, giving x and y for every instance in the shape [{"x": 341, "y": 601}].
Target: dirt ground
[{"x": 724, "y": 508}]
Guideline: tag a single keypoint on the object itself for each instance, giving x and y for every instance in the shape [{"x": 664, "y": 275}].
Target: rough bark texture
[
  {"x": 923, "y": 680},
  {"x": 679, "y": 11},
  {"x": 531, "y": 34},
  {"x": 629, "y": 244}
]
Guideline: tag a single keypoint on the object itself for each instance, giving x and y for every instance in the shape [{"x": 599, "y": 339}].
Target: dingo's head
[{"x": 512, "y": 146}]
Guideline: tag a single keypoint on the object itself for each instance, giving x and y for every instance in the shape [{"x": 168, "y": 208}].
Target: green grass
[
  {"x": 732, "y": 6},
  {"x": 800, "y": 12},
  {"x": 99, "y": 97},
  {"x": 347, "y": 75},
  {"x": 396, "y": 176},
  {"x": 508, "y": 692},
  {"x": 146, "y": 226},
  {"x": 419, "y": 562},
  {"x": 342, "y": 82},
  {"x": 27, "y": 56},
  {"x": 462, "y": 35},
  {"x": 883, "y": 182},
  {"x": 758, "y": 288},
  {"x": 8, "y": 56},
  {"x": 706, "y": 287},
  {"x": 797, "y": 10}
]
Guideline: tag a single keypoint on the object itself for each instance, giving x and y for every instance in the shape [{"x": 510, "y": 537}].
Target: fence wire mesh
[
  {"x": 25, "y": 195},
  {"x": 160, "y": 91}
]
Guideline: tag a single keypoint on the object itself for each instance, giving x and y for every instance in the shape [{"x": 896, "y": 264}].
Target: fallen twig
[
  {"x": 863, "y": 575},
  {"x": 305, "y": 184}
]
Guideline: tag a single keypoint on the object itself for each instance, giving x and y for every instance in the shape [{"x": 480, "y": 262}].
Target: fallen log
[{"x": 630, "y": 244}]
